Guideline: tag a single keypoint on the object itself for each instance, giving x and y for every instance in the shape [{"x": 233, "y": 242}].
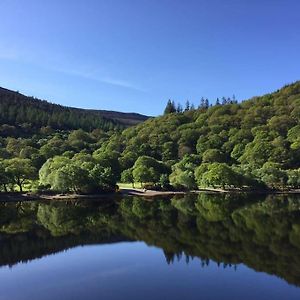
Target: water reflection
[{"x": 262, "y": 233}]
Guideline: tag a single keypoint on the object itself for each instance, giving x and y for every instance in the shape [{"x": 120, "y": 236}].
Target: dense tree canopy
[
  {"x": 22, "y": 113},
  {"x": 229, "y": 145}
]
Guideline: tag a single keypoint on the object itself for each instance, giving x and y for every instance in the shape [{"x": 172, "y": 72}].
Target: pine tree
[
  {"x": 179, "y": 108},
  {"x": 202, "y": 103},
  {"x": 206, "y": 103},
  {"x": 187, "y": 105},
  {"x": 170, "y": 107}
]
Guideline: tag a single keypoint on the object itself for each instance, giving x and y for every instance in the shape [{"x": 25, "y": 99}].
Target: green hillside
[
  {"x": 258, "y": 138},
  {"x": 253, "y": 144},
  {"x": 28, "y": 114}
]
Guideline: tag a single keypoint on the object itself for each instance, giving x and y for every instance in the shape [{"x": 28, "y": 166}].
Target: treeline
[
  {"x": 228, "y": 145},
  {"x": 253, "y": 144},
  {"x": 59, "y": 161},
  {"x": 20, "y": 114},
  {"x": 172, "y": 107}
]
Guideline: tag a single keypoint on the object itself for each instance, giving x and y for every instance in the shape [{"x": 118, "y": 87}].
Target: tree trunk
[{"x": 20, "y": 185}]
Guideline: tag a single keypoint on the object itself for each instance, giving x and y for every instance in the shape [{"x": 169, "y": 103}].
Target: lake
[{"x": 192, "y": 247}]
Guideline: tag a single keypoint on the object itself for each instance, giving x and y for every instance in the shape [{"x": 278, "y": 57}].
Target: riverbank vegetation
[{"x": 254, "y": 144}]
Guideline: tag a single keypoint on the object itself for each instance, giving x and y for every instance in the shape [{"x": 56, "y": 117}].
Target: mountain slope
[
  {"x": 259, "y": 138},
  {"x": 17, "y": 109}
]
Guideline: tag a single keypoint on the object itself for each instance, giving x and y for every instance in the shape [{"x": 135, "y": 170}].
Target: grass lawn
[{"x": 129, "y": 185}]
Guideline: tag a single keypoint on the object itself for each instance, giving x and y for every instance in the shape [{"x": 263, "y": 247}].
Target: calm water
[{"x": 200, "y": 247}]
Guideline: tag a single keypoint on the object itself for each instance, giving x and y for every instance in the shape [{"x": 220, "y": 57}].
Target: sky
[{"x": 134, "y": 55}]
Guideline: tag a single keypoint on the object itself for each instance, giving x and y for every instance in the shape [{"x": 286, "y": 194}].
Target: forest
[{"x": 252, "y": 144}]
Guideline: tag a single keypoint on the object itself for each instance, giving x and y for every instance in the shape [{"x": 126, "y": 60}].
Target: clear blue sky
[{"x": 133, "y": 55}]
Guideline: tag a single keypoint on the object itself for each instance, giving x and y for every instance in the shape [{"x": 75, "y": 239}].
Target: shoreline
[{"x": 18, "y": 197}]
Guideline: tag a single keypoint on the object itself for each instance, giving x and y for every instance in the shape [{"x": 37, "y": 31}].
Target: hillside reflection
[{"x": 262, "y": 233}]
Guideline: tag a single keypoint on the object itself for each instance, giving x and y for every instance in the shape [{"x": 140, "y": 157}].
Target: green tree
[
  {"x": 183, "y": 172},
  {"x": 4, "y": 176},
  {"x": 294, "y": 178},
  {"x": 20, "y": 170},
  {"x": 170, "y": 107},
  {"x": 127, "y": 176},
  {"x": 272, "y": 175},
  {"x": 164, "y": 181},
  {"x": 213, "y": 155},
  {"x": 220, "y": 174},
  {"x": 147, "y": 169}
]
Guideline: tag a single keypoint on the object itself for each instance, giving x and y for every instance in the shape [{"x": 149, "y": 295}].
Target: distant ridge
[
  {"x": 17, "y": 109},
  {"x": 128, "y": 119}
]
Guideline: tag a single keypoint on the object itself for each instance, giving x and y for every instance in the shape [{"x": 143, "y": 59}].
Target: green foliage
[
  {"x": 170, "y": 108},
  {"x": 21, "y": 114},
  {"x": 213, "y": 155},
  {"x": 148, "y": 170},
  {"x": 76, "y": 175},
  {"x": 294, "y": 178},
  {"x": 273, "y": 175},
  {"x": 255, "y": 143},
  {"x": 182, "y": 175},
  {"x": 20, "y": 170},
  {"x": 127, "y": 176},
  {"x": 220, "y": 175}
]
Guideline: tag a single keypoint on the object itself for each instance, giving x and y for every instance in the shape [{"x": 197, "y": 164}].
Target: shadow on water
[{"x": 262, "y": 233}]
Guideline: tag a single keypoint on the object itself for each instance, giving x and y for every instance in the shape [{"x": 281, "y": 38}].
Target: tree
[
  {"x": 183, "y": 172},
  {"x": 127, "y": 176},
  {"x": 79, "y": 139},
  {"x": 28, "y": 152},
  {"x": 213, "y": 155},
  {"x": 294, "y": 178},
  {"x": 147, "y": 169},
  {"x": 220, "y": 174},
  {"x": 55, "y": 146},
  {"x": 179, "y": 108},
  {"x": 169, "y": 151},
  {"x": 202, "y": 103},
  {"x": 4, "y": 176},
  {"x": 199, "y": 171},
  {"x": 109, "y": 159},
  {"x": 170, "y": 107},
  {"x": 187, "y": 105},
  {"x": 164, "y": 181},
  {"x": 103, "y": 177},
  {"x": 70, "y": 177},
  {"x": 257, "y": 152},
  {"x": 127, "y": 160},
  {"x": 206, "y": 103},
  {"x": 82, "y": 173},
  {"x": 183, "y": 178},
  {"x": 20, "y": 170},
  {"x": 272, "y": 175}
]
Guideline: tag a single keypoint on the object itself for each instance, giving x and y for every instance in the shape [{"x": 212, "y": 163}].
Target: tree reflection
[{"x": 260, "y": 232}]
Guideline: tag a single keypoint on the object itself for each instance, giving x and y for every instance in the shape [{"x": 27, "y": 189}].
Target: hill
[
  {"x": 254, "y": 144},
  {"x": 127, "y": 119},
  {"x": 22, "y": 111},
  {"x": 258, "y": 139}
]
